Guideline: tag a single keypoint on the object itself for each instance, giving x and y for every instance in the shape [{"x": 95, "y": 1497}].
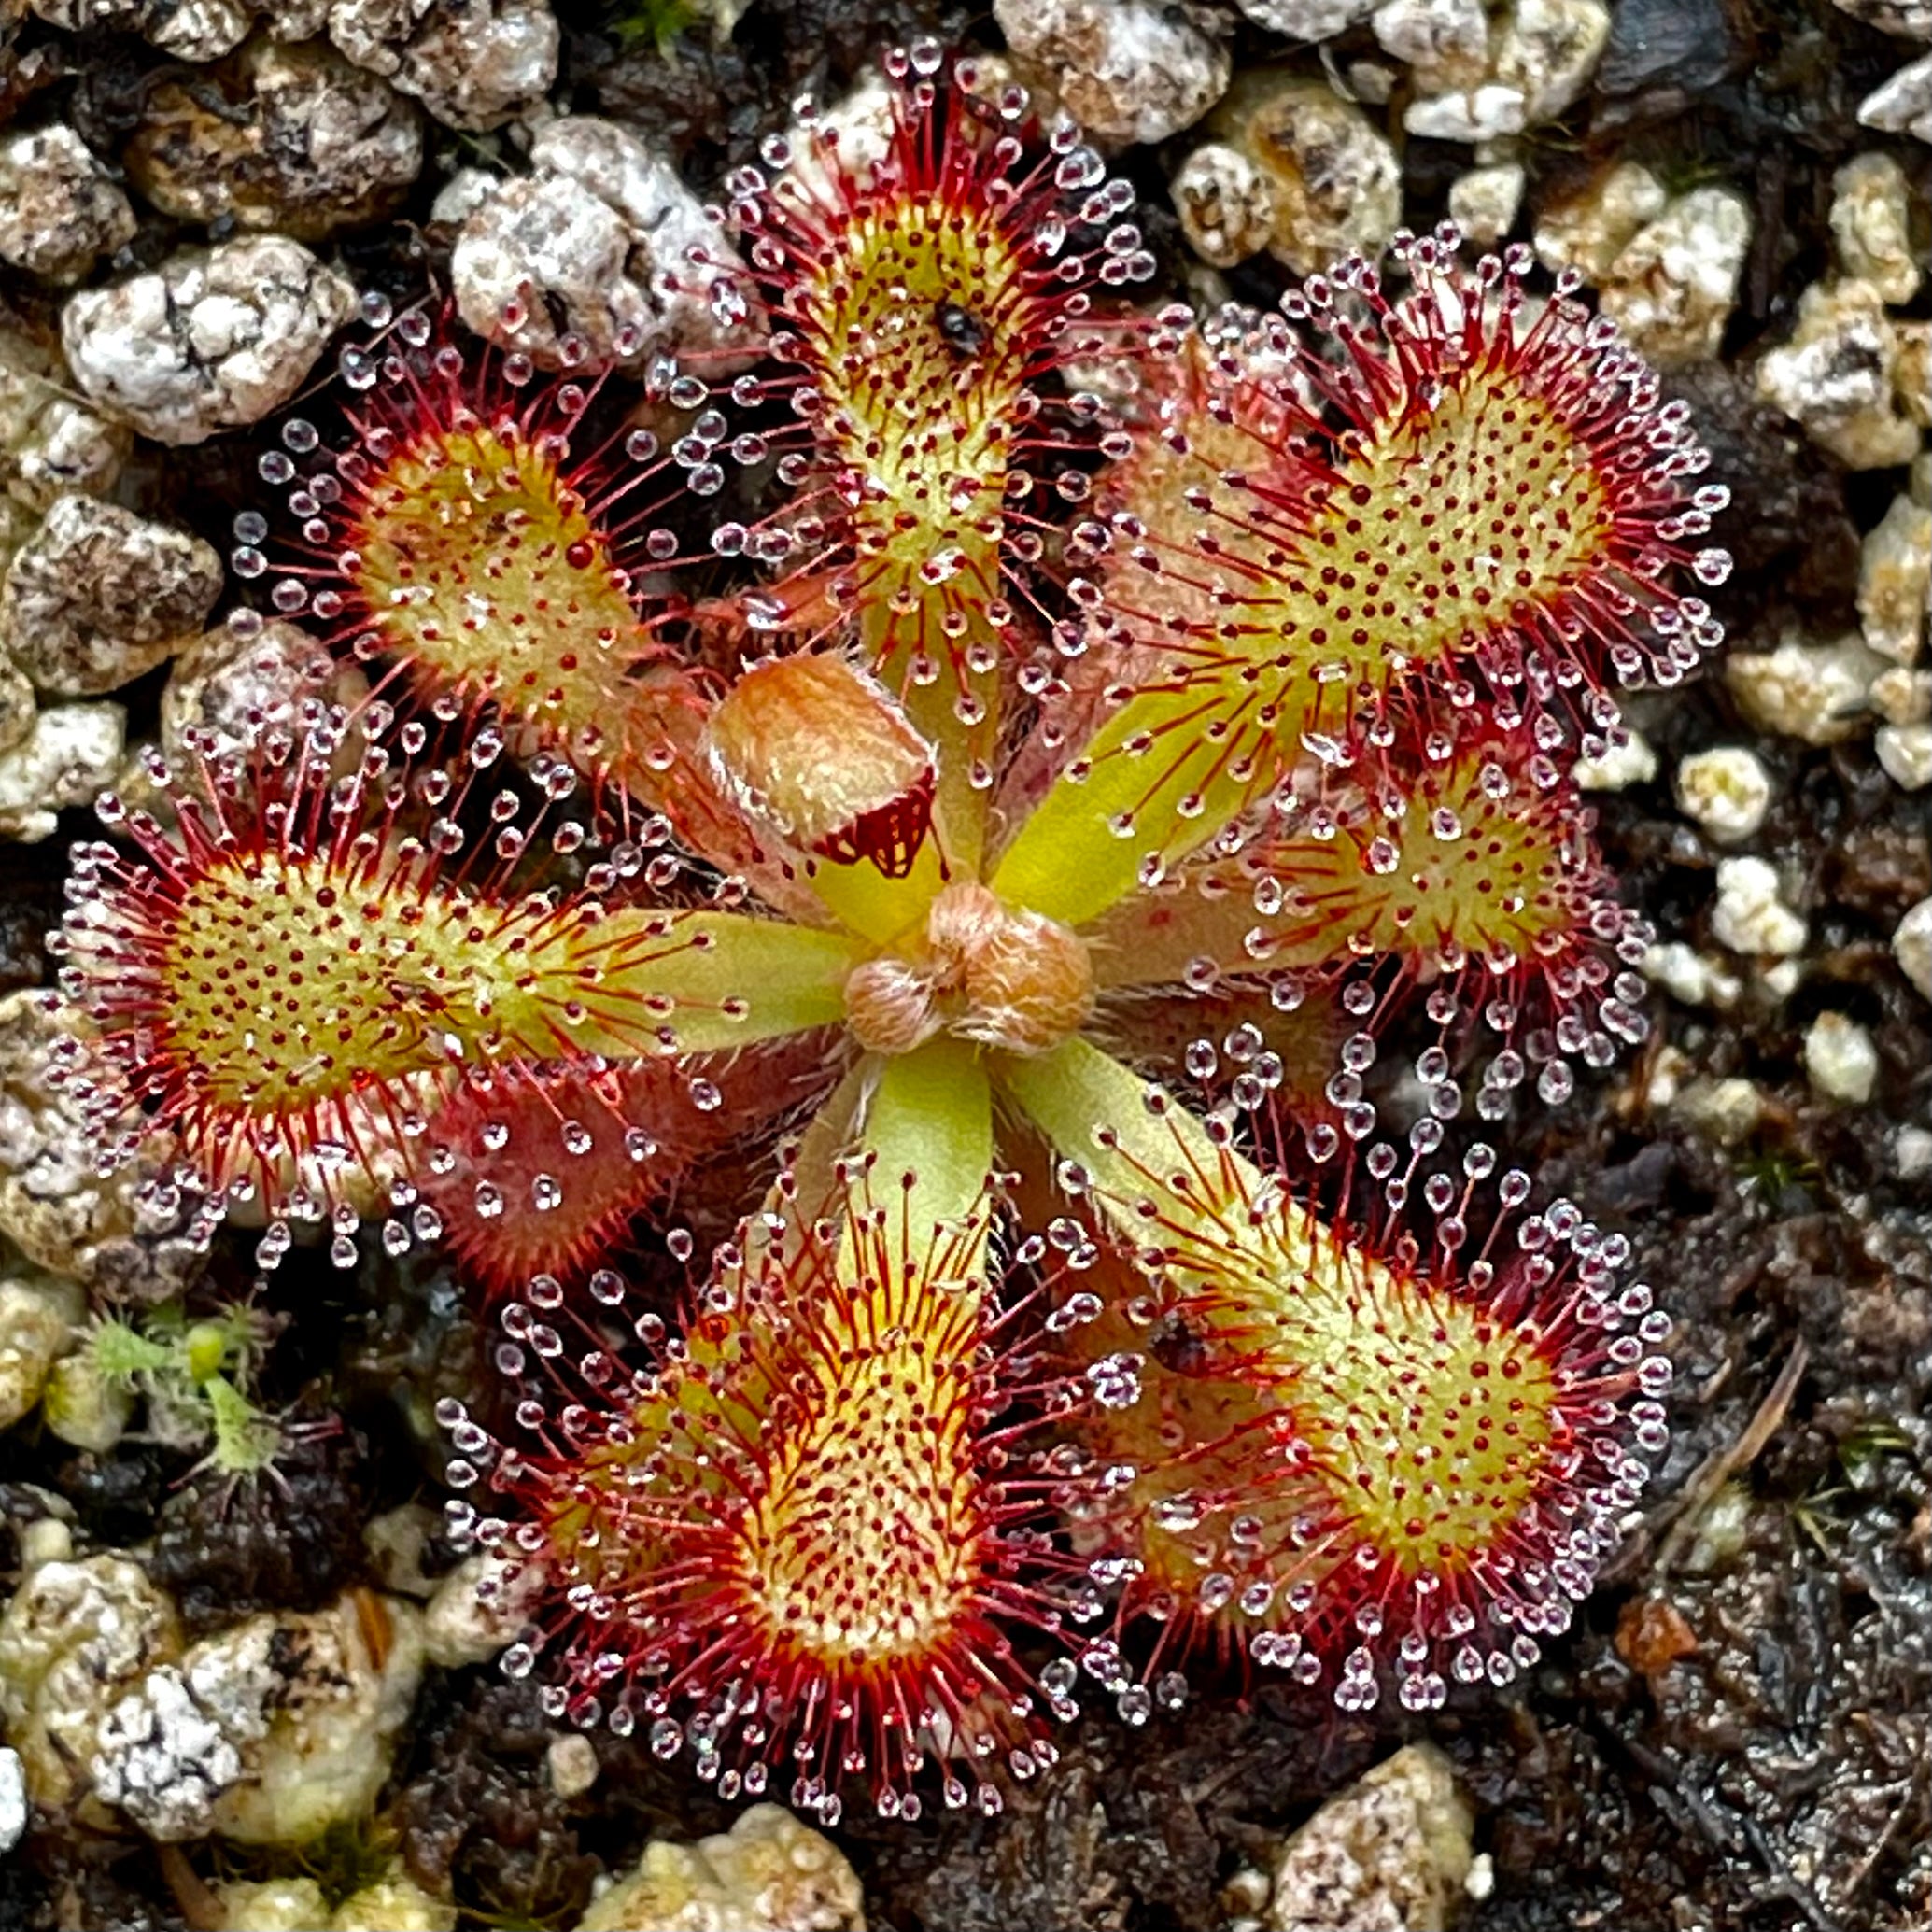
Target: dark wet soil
[{"x": 1735, "y": 1739}]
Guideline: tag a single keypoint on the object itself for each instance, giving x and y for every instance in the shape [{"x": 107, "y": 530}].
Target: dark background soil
[{"x": 1753, "y": 1751}]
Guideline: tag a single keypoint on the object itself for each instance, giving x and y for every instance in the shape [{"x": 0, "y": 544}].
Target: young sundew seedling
[
  {"x": 1030, "y": 722},
  {"x": 799, "y": 1544}
]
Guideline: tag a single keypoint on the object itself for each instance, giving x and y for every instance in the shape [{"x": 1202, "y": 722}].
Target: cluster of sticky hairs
[{"x": 1021, "y": 743}]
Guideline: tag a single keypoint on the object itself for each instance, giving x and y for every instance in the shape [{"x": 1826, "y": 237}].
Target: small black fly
[{"x": 964, "y": 333}]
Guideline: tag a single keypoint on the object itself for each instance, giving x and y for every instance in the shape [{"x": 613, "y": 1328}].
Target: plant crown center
[{"x": 1017, "y": 982}]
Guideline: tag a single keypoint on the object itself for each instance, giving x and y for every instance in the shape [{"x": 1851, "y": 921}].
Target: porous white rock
[
  {"x": 1224, "y": 202},
  {"x": 1126, "y": 70},
  {"x": 1912, "y": 19},
  {"x": 209, "y": 341},
  {"x": 38, "y": 1316},
  {"x": 602, "y": 231},
  {"x": 191, "y": 30},
  {"x": 1903, "y": 105},
  {"x": 477, "y": 1612},
  {"x": 769, "y": 1874},
  {"x": 98, "y": 596},
  {"x": 13, "y": 1799},
  {"x": 570, "y": 1763},
  {"x": 1894, "y": 580},
  {"x": 167, "y": 1751},
  {"x": 273, "y": 1905},
  {"x": 70, "y": 756},
  {"x": 1749, "y": 915},
  {"x": 1727, "y": 790},
  {"x": 1727, "y": 1112},
  {"x": 1872, "y": 225},
  {"x": 1334, "y": 179},
  {"x": 1911, "y": 946},
  {"x": 1905, "y": 754},
  {"x": 1841, "y": 1060},
  {"x": 1913, "y": 1151},
  {"x": 473, "y": 64},
  {"x": 1696, "y": 978},
  {"x": 1630, "y": 761},
  {"x": 1835, "y": 377},
  {"x": 1548, "y": 50},
  {"x": 109, "y": 1234},
  {"x": 298, "y": 141},
  {"x": 269, "y": 1732},
  {"x": 1393, "y": 1852},
  {"x": 1486, "y": 112},
  {"x": 60, "y": 208},
  {"x": 1902, "y": 697},
  {"x": 1307, "y": 20},
  {"x": 1589, "y": 229},
  {"x": 1813, "y": 691},
  {"x": 1674, "y": 283},
  {"x": 74, "y": 1637},
  {"x": 50, "y": 442},
  {"x": 394, "y": 1903},
  {"x": 242, "y": 678},
  {"x": 1445, "y": 43},
  {"x": 1485, "y": 202}
]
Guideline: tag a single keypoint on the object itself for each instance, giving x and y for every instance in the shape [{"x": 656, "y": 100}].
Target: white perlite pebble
[
  {"x": 769, "y": 1874},
  {"x": 1334, "y": 179},
  {"x": 604, "y": 229},
  {"x": 1445, "y": 42},
  {"x": 1750, "y": 917},
  {"x": 1902, "y": 697},
  {"x": 570, "y": 1764},
  {"x": 1895, "y": 582},
  {"x": 1307, "y": 20},
  {"x": 1911, "y": 946},
  {"x": 38, "y": 1314},
  {"x": 269, "y": 1732},
  {"x": 1126, "y": 70},
  {"x": 193, "y": 30},
  {"x": 1727, "y": 790},
  {"x": 1835, "y": 377},
  {"x": 60, "y": 209},
  {"x": 1673, "y": 285},
  {"x": 473, "y": 64},
  {"x": 1913, "y": 1151},
  {"x": 98, "y": 596},
  {"x": 71, "y": 757},
  {"x": 1912, "y": 19},
  {"x": 74, "y": 1637},
  {"x": 1903, "y": 105},
  {"x": 1871, "y": 224},
  {"x": 1724, "y": 1111},
  {"x": 1485, "y": 113},
  {"x": 50, "y": 444},
  {"x": 1841, "y": 1060},
  {"x": 478, "y": 1611},
  {"x": 1549, "y": 50},
  {"x": 1390, "y": 1852},
  {"x": 1226, "y": 207},
  {"x": 1813, "y": 691},
  {"x": 13, "y": 1799},
  {"x": 1544, "y": 59},
  {"x": 1905, "y": 753},
  {"x": 210, "y": 340},
  {"x": 1590, "y": 230},
  {"x": 1694, "y": 978},
  {"x": 1632, "y": 762},
  {"x": 1483, "y": 203}
]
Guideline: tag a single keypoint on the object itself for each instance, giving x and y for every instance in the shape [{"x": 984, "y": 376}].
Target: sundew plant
[{"x": 992, "y": 765}]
